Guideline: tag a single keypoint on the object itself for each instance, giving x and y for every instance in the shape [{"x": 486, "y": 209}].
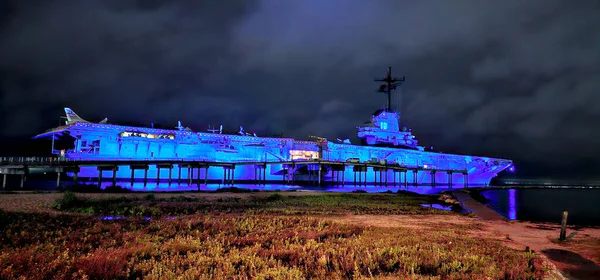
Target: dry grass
[
  {"x": 326, "y": 239},
  {"x": 40, "y": 246}
]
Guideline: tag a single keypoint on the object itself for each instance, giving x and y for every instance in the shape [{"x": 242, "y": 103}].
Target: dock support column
[
  {"x": 319, "y": 180},
  {"x": 189, "y": 175},
  {"x": 450, "y": 179},
  {"x": 22, "y": 180},
  {"x": 293, "y": 172},
  {"x": 146, "y": 176},
  {"x": 99, "y": 178},
  {"x": 4, "y": 181},
  {"x": 333, "y": 177},
  {"x": 179, "y": 174},
  {"x": 466, "y": 175},
  {"x": 157, "y": 175},
  {"x": 206, "y": 175},
  {"x": 415, "y": 174},
  {"x": 74, "y": 177},
  {"x": 198, "y": 177},
  {"x": 132, "y": 175},
  {"x": 433, "y": 178},
  {"x": 386, "y": 176},
  {"x": 114, "y": 177},
  {"x": 233, "y": 175},
  {"x": 405, "y": 172},
  {"x": 343, "y": 173},
  {"x": 170, "y": 175}
]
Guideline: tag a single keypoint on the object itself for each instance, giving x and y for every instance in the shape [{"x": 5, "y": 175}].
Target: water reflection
[
  {"x": 546, "y": 205},
  {"x": 512, "y": 204},
  {"x": 184, "y": 187},
  {"x": 165, "y": 187},
  {"x": 437, "y": 206}
]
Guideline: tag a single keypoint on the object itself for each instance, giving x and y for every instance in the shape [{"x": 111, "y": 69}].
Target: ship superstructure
[{"x": 382, "y": 142}]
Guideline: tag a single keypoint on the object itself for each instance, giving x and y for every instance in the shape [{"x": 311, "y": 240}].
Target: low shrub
[
  {"x": 41, "y": 246},
  {"x": 276, "y": 203}
]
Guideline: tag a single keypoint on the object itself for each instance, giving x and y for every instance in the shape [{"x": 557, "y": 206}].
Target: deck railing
[{"x": 18, "y": 160}]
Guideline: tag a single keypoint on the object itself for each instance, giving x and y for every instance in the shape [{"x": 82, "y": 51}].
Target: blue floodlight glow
[
  {"x": 108, "y": 142},
  {"x": 512, "y": 204}
]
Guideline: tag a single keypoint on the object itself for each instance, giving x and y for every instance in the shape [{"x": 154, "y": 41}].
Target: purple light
[
  {"x": 106, "y": 142},
  {"x": 512, "y": 204}
]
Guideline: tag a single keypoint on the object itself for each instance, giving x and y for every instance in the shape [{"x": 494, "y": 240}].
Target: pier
[{"x": 306, "y": 172}]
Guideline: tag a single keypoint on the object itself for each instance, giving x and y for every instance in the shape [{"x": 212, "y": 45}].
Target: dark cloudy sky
[{"x": 513, "y": 79}]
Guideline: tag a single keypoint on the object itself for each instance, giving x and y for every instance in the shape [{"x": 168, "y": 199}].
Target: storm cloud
[{"x": 512, "y": 79}]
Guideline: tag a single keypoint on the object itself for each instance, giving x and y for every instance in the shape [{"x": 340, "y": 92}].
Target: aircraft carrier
[{"x": 382, "y": 142}]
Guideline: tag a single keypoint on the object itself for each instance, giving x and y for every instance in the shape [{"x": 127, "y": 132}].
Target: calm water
[
  {"x": 546, "y": 205},
  {"x": 50, "y": 185}
]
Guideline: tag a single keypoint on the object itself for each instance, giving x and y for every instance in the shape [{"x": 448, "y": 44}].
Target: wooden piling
[{"x": 563, "y": 226}]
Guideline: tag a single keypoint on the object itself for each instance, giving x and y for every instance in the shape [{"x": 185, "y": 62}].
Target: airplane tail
[{"x": 72, "y": 117}]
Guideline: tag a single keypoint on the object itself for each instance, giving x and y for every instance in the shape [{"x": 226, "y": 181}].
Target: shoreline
[
  {"x": 579, "y": 256},
  {"x": 475, "y": 193}
]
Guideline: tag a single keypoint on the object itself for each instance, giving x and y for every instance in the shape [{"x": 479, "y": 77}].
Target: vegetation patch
[
  {"x": 276, "y": 203},
  {"x": 226, "y": 246}
]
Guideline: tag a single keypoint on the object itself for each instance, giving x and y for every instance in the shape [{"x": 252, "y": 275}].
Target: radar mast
[{"x": 390, "y": 84}]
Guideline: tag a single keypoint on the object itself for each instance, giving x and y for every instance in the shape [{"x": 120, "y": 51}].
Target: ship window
[
  {"x": 383, "y": 125},
  {"x": 303, "y": 155},
  {"x": 147, "y": 135}
]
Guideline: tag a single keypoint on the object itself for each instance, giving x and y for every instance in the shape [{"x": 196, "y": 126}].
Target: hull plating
[{"x": 108, "y": 142}]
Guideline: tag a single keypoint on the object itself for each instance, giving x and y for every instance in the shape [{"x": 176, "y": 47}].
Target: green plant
[{"x": 224, "y": 246}]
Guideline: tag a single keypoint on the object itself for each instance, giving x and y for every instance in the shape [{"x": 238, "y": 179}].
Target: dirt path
[
  {"x": 472, "y": 205},
  {"x": 579, "y": 258}
]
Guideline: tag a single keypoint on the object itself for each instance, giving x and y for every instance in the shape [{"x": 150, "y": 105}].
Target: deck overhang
[{"x": 53, "y": 133}]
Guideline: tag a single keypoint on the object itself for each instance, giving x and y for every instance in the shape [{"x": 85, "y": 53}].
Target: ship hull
[{"x": 105, "y": 142}]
